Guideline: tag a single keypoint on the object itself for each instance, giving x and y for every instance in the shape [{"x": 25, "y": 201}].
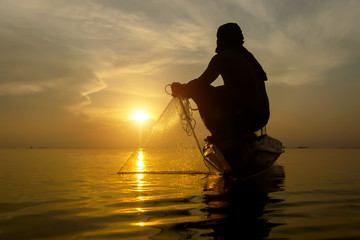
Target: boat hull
[{"x": 243, "y": 157}]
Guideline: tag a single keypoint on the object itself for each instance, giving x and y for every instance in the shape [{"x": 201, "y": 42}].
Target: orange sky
[{"x": 74, "y": 72}]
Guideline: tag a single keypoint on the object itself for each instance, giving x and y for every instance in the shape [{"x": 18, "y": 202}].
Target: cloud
[
  {"x": 98, "y": 59},
  {"x": 19, "y": 88},
  {"x": 39, "y": 54},
  {"x": 298, "y": 42}
]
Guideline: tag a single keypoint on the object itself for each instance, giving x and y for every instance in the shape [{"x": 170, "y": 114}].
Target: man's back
[{"x": 245, "y": 83}]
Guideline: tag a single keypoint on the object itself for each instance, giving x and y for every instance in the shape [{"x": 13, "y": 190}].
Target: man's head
[{"x": 229, "y": 36}]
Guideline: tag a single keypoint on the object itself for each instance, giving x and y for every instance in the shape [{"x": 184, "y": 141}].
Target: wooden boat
[
  {"x": 239, "y": 157},
  {"x": 243, "y": 157}
]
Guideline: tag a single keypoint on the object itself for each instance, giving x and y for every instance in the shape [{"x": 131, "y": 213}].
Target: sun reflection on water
[
  {"x": 149, "y": 191},
  {"x": 140, "y": 162},
  {"x": 140, "y": 169}
]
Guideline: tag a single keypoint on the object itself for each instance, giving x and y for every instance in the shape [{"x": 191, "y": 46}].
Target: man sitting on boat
[{"x": 241, "y": 105}]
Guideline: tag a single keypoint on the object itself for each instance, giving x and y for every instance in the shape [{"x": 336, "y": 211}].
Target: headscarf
[{"x": 230, "y": 36}]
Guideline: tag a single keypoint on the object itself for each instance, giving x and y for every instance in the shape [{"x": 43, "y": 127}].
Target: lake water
[{"x": 77, "y": 194}]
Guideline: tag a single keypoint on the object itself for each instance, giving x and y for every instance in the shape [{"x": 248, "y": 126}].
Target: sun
[{"x": 140, "y": 116}]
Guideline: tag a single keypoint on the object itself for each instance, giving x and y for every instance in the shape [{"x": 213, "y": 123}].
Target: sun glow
[{"x": 140, "y": 116}]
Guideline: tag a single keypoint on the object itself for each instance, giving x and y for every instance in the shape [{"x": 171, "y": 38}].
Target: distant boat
[{"x": 243, "y": 157}]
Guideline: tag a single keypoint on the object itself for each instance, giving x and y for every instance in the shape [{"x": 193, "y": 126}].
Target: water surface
[{"x": 77, "y": 194}]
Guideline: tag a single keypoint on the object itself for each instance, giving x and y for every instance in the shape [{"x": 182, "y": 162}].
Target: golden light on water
[
  {"x": 140, "y": 169},
  {"x": 141, "y": 198},
  {"x": 140, "y": 162},
  {"x": 140, "y": 182},
  {"x": 140, "y": 210}
]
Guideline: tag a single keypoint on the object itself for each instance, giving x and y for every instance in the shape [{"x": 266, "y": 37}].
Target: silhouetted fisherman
[{"x": 241, "y": 105}]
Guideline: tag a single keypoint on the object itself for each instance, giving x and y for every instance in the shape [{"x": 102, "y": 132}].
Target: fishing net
[{"x": 171, "y": 145}]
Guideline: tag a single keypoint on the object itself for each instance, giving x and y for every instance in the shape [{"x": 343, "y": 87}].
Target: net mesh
[{"x": 171, "y": 145}]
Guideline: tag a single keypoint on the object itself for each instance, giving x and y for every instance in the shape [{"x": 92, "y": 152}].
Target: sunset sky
[{"x": 74, "y": 73}]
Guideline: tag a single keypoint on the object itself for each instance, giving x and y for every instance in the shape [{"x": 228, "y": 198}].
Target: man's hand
[{"x": 176, "y": 89}]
